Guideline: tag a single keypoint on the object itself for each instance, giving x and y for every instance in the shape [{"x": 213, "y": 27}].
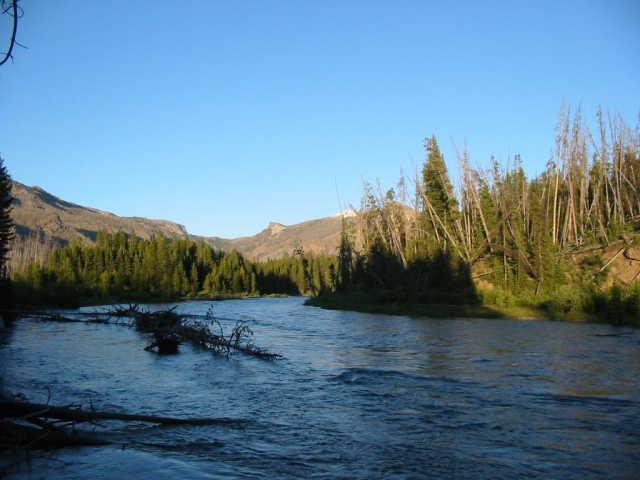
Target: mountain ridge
[{"x": 44, "y": 220}]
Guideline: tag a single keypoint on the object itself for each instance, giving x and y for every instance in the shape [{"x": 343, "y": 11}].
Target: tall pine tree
[
  {"x": 440, "y": 204},
  {"x": 6, "y": 224}
]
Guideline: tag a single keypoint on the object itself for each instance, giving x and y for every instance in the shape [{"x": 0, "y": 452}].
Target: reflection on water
[{"x": 357, "y": 396}]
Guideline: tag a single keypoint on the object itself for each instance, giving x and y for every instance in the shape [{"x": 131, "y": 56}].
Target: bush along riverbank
[{"x": 562, "y": 245}]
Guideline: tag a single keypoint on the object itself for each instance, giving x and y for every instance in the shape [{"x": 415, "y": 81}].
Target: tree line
[
  {"x": 122, "y": 266},
  {"x": 520, "y": 239}
]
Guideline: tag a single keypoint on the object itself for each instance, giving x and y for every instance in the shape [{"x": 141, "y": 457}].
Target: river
[{"x": 356, "y": 396}]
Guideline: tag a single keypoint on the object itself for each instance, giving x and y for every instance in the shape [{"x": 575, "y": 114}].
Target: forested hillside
[{"x": 124, "y": 267}]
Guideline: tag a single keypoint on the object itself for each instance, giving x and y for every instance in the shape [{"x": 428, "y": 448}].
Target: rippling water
[{"x": 356, "y": 396}]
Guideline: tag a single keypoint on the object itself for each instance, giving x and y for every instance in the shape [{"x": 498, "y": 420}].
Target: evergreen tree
[
  {"x": 345, "y": 258},
  {"x": 194, "y": 284},
  {"x": 6, "y": 224},
  {"x": 6, "y": 235},
  {"x": 438, "y": 191}
]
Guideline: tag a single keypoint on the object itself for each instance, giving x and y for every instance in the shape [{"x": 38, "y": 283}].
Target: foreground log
[
  {"x": 9, "y": 408},
  {"x": 14, "y": 435}
]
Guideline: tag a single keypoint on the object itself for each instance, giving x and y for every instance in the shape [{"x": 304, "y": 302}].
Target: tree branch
[{"x": 14, "y": 8}]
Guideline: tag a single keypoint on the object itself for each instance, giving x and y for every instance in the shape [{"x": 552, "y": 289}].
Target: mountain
[
  {"x": 35, "y": 211},
  {"x": 278, "y": 240},
  {"x": 44, "y": 221}
]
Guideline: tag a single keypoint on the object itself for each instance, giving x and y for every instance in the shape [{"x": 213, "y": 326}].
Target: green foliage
[
  {"x": 498, "y": 297},
  {"x": 6, "y": 224},
  {"x": 437, "y": 186},
  {"x": 440, "y": 278},
  {"x": 124, "y": 267},
  {"x": 524, "y": 237},
  {"x": 6, "y": 234},
  {"x": 618, "y": 304}
]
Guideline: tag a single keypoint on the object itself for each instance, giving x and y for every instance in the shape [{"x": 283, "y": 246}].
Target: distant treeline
[
  {"x": 121, "y": 266},
  {"x": 517, "y": 238}
]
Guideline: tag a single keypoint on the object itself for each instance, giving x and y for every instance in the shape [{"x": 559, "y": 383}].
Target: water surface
[{"x": 356, "y": 396}]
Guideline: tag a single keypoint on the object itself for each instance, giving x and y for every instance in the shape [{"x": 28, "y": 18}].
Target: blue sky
[{"x": 224, "y": 116}]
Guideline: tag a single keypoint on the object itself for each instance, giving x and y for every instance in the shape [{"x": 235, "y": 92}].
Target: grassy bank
[{"x": 545, "y": 310}]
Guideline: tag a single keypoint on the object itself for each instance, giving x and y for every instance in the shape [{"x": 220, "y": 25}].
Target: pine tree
[
  {"x": 6, "y": 224},
  {"x": 440, "y": 204},
  {"x": 194, "y": 284}
]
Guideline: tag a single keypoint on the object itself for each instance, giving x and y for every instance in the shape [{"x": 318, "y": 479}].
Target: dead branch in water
[
  {"x": 169, "y": 329},
  {"x": 130, "y": 310},
  {"x": 16, "y": 409},
  {"x": 201, "y": 333},
  {"x": 15, "y": 435}
]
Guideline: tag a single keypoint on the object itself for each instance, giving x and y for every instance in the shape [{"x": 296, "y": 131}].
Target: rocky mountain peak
[{"x": 275, "y": 228}]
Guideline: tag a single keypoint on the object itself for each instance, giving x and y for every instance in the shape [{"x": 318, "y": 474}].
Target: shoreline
[{"x": 521, "y": 313}]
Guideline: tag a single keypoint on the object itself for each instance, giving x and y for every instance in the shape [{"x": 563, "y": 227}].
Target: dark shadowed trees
[
  {"x": 6, "y": 233},
  {"x": 6, "y": 224}
]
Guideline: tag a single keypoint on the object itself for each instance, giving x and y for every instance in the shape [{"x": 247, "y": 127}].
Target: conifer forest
[
  {"x": 121, "y": 266},
  {"x": 501, "y": 239}
]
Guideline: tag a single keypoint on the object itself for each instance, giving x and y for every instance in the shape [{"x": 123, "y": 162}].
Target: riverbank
[{"x": 362, "y": 302}]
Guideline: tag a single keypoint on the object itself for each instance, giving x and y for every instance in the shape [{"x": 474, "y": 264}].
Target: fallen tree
[
  {"x": 16, "y": 436},
  {"x": 25, "y": 410},
  {"x": 169, "y": 329},
  {"x": 51, "y": 424}
]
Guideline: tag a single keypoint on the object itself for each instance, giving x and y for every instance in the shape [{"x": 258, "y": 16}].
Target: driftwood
[
  {"x": 14, "y": 435},
  {"x": 200, "y": 333},
  {"x": 167, "y": 324},
  {"x": 50, "y": 434},
  {"x": 130, "y": 310},
  {"x": 15, "y": 409},
  {"x": 165, "y": 343}
]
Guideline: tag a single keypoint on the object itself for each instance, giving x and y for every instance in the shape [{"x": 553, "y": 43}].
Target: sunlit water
[{"x": 356, "y": 396}]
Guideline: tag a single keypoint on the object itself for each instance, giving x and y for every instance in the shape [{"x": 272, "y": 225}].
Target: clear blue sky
[{"x": 224, "y": 116}]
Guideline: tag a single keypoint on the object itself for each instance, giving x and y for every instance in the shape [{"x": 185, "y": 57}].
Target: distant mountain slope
[
  {"x": 37, "y": 211},
  {"x": 44, "y": 220},
  {"x": 277, "y": 240}
]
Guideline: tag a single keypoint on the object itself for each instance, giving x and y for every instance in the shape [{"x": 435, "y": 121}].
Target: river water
[{"x": 356, "y": 396}]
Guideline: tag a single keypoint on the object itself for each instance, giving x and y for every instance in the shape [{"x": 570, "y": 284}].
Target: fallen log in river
[
  {"x": 167, "y": 324},
  {"x": 16, "y": 436},
  {"x": 48, "y": 433},
  {"x": 22, "y": 409}
]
